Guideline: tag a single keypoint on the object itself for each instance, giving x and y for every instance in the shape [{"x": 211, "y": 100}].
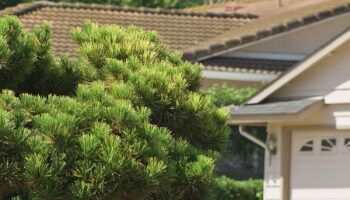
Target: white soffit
[
  {"x": 300, "y": 68},
  {"x": 239, "y": 76}
]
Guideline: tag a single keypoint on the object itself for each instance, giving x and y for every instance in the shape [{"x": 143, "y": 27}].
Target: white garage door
[{"x": 320, "y": 166}]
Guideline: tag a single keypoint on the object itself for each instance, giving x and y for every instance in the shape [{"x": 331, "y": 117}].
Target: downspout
[{"x": 251, "y": 137}]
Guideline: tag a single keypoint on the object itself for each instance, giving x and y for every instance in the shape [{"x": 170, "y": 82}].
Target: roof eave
[
  {"x": 275, "y": 118},
  {"x": 219, "y": 47}
]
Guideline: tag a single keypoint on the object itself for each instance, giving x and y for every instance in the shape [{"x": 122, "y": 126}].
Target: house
[
  {"x": 238, "y": 49},
  {"x": 307, "y": 114},
  {"x": 277, "y": 37}
]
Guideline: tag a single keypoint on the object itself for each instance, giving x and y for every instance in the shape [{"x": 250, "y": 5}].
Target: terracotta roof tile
[
  {"x": 247, "y": 65},
  {"x": 209, "y": 7},
  {"x": 196, "y": 34},
  {"x": 179, "y": 29}
]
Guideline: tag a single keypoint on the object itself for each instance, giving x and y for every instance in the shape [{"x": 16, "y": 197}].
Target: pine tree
[{"x": 124, "y": 120}]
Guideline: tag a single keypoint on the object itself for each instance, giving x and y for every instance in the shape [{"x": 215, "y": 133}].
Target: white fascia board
[
  {"x": 300, "y": 68},
  {"x": 239, "y": 76},
  {"x": 338, "y": 97},
  {"x": 271, "y": 56},
  {"x": 342, "y": 119}
]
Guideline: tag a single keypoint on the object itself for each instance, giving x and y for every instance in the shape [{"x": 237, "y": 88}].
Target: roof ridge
[
  {"x": 27, "y": 7},
  {"x": 22, "y": 8},
  {"x": 274, "y": 29}
]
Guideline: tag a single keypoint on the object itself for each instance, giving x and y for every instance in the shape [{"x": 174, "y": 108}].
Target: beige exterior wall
[
  {"x": 278, "y": 167},
  {"x": 273, "y": 169},
  {"x": 328, "y": 75},
  {"x": 304, "y": 40}
]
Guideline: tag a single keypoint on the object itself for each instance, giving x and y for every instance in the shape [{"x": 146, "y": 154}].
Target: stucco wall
[
  {"x": 273, "y": 171},
  {"x": 329, "y": 74}
]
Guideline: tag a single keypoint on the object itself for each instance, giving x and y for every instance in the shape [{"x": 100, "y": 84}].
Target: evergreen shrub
[
  {"x": 224, "y": 95},
  {"x": 123, "y": 120},
  {"x": 227, "y": 188}
]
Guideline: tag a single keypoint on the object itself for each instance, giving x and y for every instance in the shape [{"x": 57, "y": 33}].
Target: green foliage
[
  {"x": 243, "y": 159},
  {"x": 10, "y": 3},
  {"x": 124, "y": 120},
  {"x": 223, "y": 95},
  {"x": 227, "y": 188}
]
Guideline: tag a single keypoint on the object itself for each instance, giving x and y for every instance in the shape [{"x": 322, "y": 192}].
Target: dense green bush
[
  {"x": 227, "y": 188},
  {"x": 223, "y": 95},
  {"x": 124, "y": 120},
  {"x": 242, "y": 158}
]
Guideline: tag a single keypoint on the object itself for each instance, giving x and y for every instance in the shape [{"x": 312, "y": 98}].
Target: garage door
[{"x": 320, "y": 166}]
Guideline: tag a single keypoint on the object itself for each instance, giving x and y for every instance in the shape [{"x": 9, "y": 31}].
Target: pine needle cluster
[{"x": 124, "y": 120}]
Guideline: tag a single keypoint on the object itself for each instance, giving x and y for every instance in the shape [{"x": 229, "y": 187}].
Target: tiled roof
[
  {"x": 274, "y": 108},
  {"x": 196, "y": 34},
  {"x": 209, "y": 7},
  {"x": 263, "y": 66},
  {"x": 267, "y": 27},
  {"x": 178, "y": 29}
]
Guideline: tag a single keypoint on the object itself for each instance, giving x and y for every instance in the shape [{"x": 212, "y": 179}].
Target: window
[
  {"x": 308, "y": 146},
  {"x": 347, "y": 144},
  {"x": 328, "y": 145}
]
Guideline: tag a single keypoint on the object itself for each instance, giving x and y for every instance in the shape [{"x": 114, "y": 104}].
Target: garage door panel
[
  {"x": 322, "y": 173},
  {"x": 321, "y": 194}
]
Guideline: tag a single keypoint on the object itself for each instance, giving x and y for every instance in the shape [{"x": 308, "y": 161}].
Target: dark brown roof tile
[
  {"x": 248, "y": 38},
  {"x": 340, "y": 9},
  {"x": 294, "y": 24},
  {"x": 310, "y": 19},
  {"x": 263, "y": 33},
  {"x": 325, "y": 14},
  {"x": 217, "y": 47},
  {"x": 233, "y": 42},
  {"x": 278, "y": 28},
  {"x": 248, "y": 65}
]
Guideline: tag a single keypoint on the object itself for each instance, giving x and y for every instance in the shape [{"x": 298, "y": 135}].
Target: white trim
[
  {"x": 342, "y": 119},
  {"x": 307, "y": 63},
  {"x": 272, "y": 56},
  {"x": 251, "y": 137},
  {"x": 338, "y": 97},
  {"x": 239, "y": 76},
  {"x": 268, "y": 38}
]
